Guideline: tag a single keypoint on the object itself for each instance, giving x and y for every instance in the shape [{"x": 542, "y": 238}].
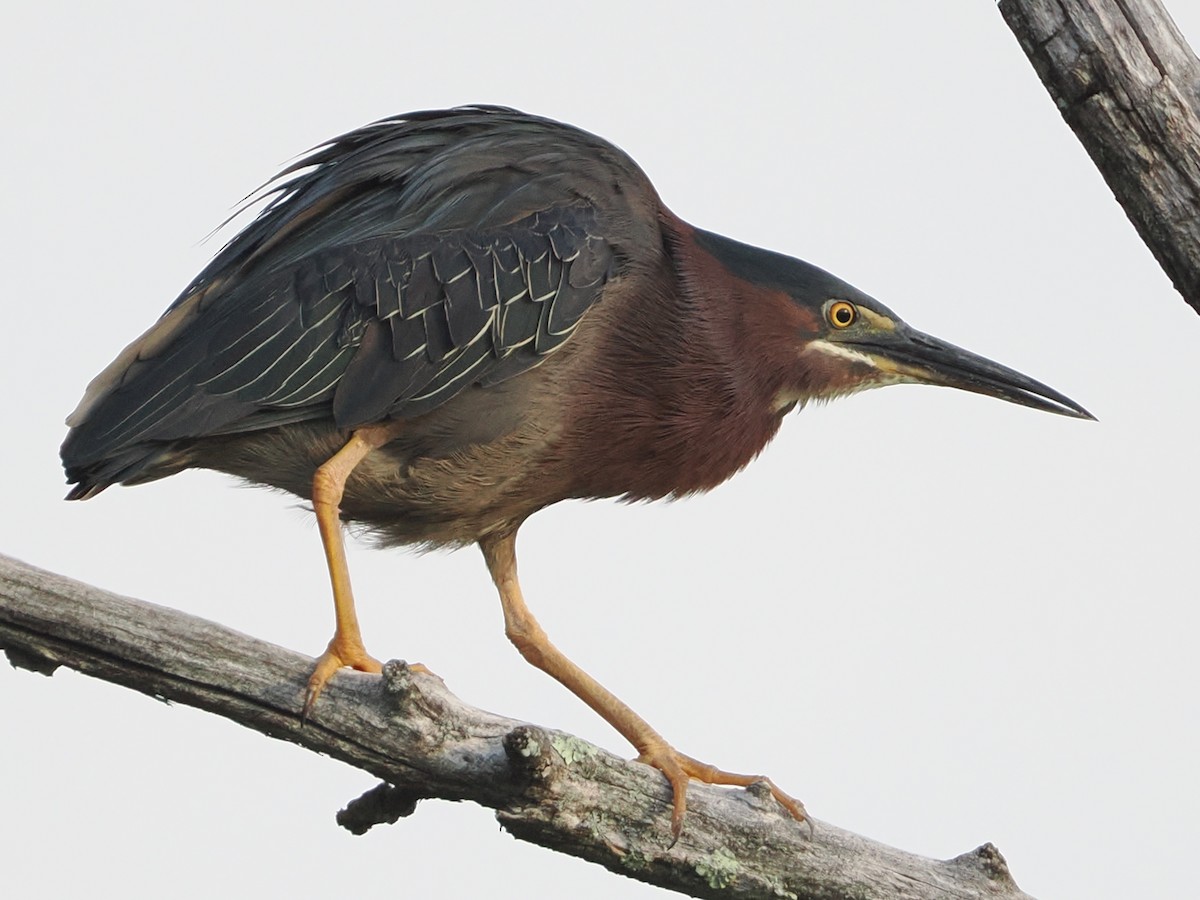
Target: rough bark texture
[
  {"x": 407, "y": 729},
  {"x": 1127, "y": 83}
]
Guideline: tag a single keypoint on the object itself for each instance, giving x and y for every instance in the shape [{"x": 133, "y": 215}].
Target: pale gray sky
[{"x": 985, "y": 632}]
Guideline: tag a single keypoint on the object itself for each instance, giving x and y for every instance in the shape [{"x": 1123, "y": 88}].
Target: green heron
[{"x": 445, "y": 321}]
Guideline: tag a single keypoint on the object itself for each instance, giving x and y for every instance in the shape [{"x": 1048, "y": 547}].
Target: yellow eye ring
[{"x": 842, "y": 314}]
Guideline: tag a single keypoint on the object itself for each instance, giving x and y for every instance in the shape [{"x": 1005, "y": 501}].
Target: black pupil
[{"x": 842, "y": 315}]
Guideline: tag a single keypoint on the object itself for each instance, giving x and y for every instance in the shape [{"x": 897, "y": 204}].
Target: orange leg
[
  {"x": 525, "y": 632},
  {"x": 329, "y": 483}
]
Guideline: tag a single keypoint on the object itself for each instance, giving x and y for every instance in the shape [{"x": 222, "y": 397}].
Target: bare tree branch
[
  {"x": 1127, "y": 83},
  {"x": 407, "y": 729}
]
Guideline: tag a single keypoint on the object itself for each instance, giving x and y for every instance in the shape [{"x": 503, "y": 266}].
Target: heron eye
[{"x": 842, "y": 314}]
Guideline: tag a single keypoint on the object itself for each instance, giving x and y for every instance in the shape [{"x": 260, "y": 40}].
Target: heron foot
[
  {"x": 341, "y": 653},
  {"x": 680, "y": 768}
]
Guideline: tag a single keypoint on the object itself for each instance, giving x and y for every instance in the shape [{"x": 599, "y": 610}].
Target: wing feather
[{"x": 408, "y": 261}]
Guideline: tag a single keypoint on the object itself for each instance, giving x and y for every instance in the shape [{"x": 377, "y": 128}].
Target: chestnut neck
[{"x": 684, "y": 393}]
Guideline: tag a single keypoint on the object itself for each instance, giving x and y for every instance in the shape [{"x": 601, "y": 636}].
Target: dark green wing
[{"x": 415, "y": 258}]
